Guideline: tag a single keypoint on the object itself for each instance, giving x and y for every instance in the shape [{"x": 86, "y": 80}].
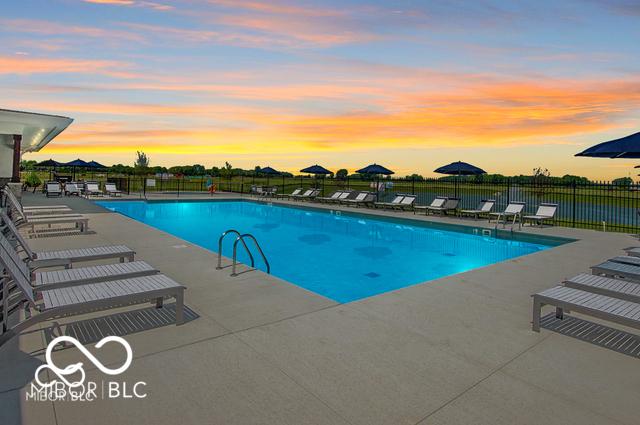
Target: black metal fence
[{"x": 594, "y": 205}]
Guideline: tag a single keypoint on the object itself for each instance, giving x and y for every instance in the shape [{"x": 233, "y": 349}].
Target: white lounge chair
[
  {"x": 397, "y": 200},
  {"x": 333, "y": 198},
  {"x": 111, "y": 189},
  {"x": 10, "y": 200},
  {"x": 442, "y": 205},
  {"x": 47, "y": 304},
  {"x": 53, "y": 189},
  {"x": 362, "y": 198},
  {"x": 80, "y": 222},
  {"x": 546, "y": 211},
  {"x": 603, "y": 307},
  {"x": 633, "y": 251},
  {"x": 296, "y": 192},
  {"x": 307, "y": 196},
  {"x": 70, "y": 277},
  {"x": 71, "y": 188},
  {"x": 513, "y": 211},
  {"x": 484, "y": 207},
  {"x": 438, "y": 202},
  {"x": 65, "y": 256},
  {"x": 92, "y": 188},
  {"x": 407, "y": 203},
  {"x": 303, "y": 195}
]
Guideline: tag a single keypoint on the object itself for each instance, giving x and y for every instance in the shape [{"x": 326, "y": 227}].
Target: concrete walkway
[{"x": 258, "y": 350}]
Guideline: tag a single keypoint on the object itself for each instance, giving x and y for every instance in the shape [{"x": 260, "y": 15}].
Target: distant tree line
[{"x": 142, "y": 166}]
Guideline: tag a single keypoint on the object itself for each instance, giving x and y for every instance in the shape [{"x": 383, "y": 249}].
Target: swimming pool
[{"x": 342, "y": 256}]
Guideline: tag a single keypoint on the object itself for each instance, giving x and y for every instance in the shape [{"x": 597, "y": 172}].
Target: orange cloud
[
  {"x": 44, "y": 27},
  {"x": 28, "y": 65},
  {"x": 148, "y": 4}
]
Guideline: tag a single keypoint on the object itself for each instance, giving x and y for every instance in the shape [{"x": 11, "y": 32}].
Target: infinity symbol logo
[{"x": 78, "y": 367}]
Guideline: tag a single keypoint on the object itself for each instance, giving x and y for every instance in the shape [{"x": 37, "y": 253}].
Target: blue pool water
[{"x": 343, "y": 257}]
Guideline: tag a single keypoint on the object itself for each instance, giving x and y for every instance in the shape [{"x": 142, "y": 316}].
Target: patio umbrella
[
  {"x": 49, "y": 163},
  {"x": 77, "y": 163},
  {"x": 625, "y": 147},
  {"x": 269, "y": 172},
  {"x": 94, "y": 164},
  {"x": 459, "y": 168},
  {"x": 316, "y": 170},
  {"x": 375, "y": 169}
]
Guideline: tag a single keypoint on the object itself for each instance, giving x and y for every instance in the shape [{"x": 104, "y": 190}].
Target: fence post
[
  {"x": 128, "y": 185},
  {"x": 574, "y": 204},
  {"x": 508, "y": 190},
  {"x": 413, "y": 185},
  {"x": 179, "y": 187}
]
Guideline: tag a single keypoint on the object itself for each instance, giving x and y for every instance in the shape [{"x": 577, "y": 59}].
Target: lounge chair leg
[
  {"x": 537, "y": 307},
  {"x": 180, "y": 308},
  {"x": 159, "y": 302},
  {"x": 559, "y": 313}
]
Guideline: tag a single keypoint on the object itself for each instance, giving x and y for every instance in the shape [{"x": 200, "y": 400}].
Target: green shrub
[{"x": 32, "y": 180}]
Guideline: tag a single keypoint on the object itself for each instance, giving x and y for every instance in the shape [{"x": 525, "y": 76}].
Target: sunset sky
[{"x": 413, "y": 85}]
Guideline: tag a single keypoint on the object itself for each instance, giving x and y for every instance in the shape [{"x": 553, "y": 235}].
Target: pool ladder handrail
[
  {"x": 219, "y": 267},
  {"x": 235, "y": 252}
]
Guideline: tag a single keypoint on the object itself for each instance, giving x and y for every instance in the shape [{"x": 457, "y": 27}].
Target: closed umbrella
[{"x": 377, "y": 170}]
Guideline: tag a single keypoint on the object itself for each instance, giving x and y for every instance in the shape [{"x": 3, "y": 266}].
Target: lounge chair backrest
[
  {"x": 408, "y": 200},
  {"x": 336, "y": 194},
  {"x": 369, "y": 197},
  {"x": 398, "y": 199},
  {"x": 14, "y": 203},
  {"x": 16, "y": 234},
  {"x": 53, "y": 187},
  {"x": 438, "y": 201},
  {"x": 361, "y": 196},
  {"x": 451, "y": 203},
  {"x": 71, "y": 187},
  {"x": 307, "y": 192},
  {"x": 93, "y": 187},
  {"x": 344, "y": 195},
  {"x": 259, "y": 189},
  {"x": 111, "y": 187},
  {"x": 486, "y": 205},
  {"x": 547, "y": 210},
  {"x": 297, "y": 191},
  {"x": 514, "y": 208},
  {"x": 16, "y": 268}
]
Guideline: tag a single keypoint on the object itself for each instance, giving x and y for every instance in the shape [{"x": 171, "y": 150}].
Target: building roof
[{"x": 36, "y": 129}]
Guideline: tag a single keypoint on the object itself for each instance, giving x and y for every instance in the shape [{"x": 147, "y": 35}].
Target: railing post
[
  {"x": 413, "y": 185},
  {"x": 574, "y": 204}
]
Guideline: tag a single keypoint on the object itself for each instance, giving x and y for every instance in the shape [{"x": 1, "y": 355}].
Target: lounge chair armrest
[{"x": 51, "y": 262}]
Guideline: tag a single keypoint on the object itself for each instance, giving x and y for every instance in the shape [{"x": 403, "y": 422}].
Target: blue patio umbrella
[
  {"x": 94, "y": 164},
  {"x": 626, "y": 147},
  {"x": 317, "y": 170},
  {"x": 460, "y": 168},
  {"x": 50, "y": 163},
  {"x": 77, "y": 163},
  {"x": 375, "y": 169},
  {"x": 269, "y": 172}
]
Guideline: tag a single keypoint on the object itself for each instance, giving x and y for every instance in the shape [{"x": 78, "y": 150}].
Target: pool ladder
[{"x": 240, "y": 238}]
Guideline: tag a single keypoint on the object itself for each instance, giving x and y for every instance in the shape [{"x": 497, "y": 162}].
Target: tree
[
  {"x": 142, "y": 163},
  {"x": 142, "y": 160},
  {"x": 415, "y": 177},
  {"x": 342, "y": 174},
  {"x": 623, "y": 181}
]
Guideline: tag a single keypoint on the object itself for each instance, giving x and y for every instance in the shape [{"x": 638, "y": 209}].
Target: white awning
[{"x": 36, "y": 129}]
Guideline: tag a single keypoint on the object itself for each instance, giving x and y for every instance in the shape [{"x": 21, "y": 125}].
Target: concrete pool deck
[{"x": 258, "y": 350}]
